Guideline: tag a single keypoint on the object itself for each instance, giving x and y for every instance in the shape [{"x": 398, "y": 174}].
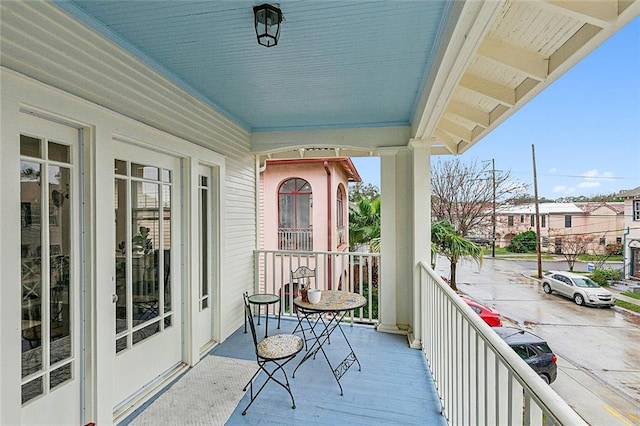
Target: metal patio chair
[{"x": 272, "y": 354}]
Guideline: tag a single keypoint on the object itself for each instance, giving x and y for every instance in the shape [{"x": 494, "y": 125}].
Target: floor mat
[{"x": 206, "y": 395}]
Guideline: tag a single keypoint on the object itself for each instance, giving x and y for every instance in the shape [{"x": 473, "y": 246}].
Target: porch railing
[
  {"x": 295, "y": 239},
  {"x": 479, "y": 378},
  {"x": 355, "y": 272}
]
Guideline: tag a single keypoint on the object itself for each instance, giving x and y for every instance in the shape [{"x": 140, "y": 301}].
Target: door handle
[{"x": 114, "y": 298}]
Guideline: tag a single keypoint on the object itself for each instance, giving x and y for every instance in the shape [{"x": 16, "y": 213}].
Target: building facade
[
  {"x": 631, "y": 239},
  {"x": 598, "y": 225}
]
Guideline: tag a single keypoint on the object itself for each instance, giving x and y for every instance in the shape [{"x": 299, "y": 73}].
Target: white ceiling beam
[
  {"x": 447, "y": 140},
  {"x": 531, "y": 63},
  {"x": 363, "y": 139},
  {"x": 601, "y": 13},
  {"x": 455, "y": 129},
  {"x": 498, "y": 92},
  {"x": 468, "y": 112}
]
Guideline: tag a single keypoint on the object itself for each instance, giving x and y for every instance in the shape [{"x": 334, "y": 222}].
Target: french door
[
  {"x": 51, "y": 274},
  {"x": 206, "y": 260},
  {"x": 148, "y": 286}
]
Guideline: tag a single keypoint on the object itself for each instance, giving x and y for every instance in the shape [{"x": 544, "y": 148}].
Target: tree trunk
[{"x": 452, "y": 281}]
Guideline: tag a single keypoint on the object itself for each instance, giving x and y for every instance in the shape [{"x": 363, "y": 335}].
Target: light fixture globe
[{"x": 267, "y": 19}]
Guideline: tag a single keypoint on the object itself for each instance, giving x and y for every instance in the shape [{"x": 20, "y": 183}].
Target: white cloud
[
  {"x": 589, "y": 184},
  {"x": 594, "y": 174},
  {"x": 563, "y": 189}
]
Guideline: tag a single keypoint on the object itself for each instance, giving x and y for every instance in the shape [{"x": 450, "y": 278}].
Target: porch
[{"x": 463, "y": 373}]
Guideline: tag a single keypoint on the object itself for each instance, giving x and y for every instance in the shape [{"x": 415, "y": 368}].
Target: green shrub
[
  {"x": 603, "y": 276},
  {"x": 523, "y": 242}
]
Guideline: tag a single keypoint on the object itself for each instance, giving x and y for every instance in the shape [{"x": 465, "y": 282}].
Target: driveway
[{"x": 599, "y": 349}]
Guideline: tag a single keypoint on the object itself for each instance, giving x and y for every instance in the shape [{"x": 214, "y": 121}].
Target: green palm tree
[
  {"x": 447, "y": 241},
  {"x": 364, "y": 224}
]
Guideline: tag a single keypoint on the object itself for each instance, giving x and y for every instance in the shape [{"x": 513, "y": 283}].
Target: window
[
  {"x": 636, "y": 209},
  {"x": 603, "y": 241},
  {"x": 509, "y": 220},
  {"x": 543, "y": 221},
  {"x": 618, "y": 240},
  {"x": 567, "y": 221},
  {"x": 523, "y": 351},
  {"x": 533, "y": 220},
  {"x": 521, "y": 218},
  {"x": 340, "y": 207},
  {"x": 294, "y": 215},
  {"x": 340, "y": 214}
]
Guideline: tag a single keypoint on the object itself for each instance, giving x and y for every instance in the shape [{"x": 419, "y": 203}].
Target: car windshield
[{"x": 585, "y": 282}]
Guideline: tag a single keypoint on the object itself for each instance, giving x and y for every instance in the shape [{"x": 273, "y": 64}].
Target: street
[{"x": 598, "y": 349}]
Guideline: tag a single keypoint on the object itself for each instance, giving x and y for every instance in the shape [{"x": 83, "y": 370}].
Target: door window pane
[
  {"x": 30, "y": 147},
  {"x": 59, "y": 152},
  {"x": 122, "y": 248},
  {"x": 31, "y": 199},
  {"x": 204, "y": 242},
  {"x": 59, "y": 262},
  {"x": 165, "y": 254}
]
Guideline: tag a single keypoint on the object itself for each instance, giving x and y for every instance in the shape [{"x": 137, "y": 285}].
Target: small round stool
[{"x": 264, "y": 299}]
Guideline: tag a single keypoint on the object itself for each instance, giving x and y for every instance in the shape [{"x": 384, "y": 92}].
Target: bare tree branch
[{"x": 462, "y": 193}]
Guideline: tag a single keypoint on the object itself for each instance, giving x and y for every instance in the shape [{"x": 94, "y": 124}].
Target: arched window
[
  {"x": 294, "y": 215},
  {"x": 340, "y": 214}
]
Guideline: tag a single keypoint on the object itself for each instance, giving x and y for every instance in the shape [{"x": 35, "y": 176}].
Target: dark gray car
[{"x": 531, "y": 348}]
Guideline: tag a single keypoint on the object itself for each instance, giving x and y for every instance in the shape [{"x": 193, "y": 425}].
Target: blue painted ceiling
[{"x": 340, "y": 64}]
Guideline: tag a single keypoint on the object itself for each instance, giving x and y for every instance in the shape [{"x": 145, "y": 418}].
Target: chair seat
[{"x": 279, "y": 346}]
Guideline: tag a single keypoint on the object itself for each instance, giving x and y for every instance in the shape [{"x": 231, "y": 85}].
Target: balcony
[
  {"x": 295, "y": 239},
  {"x": 464, "y": 373}
]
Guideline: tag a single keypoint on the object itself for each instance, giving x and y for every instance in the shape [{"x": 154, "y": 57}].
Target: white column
[
  {"x": 421, "y": 224},
  {"x": 387, "y": 308}
]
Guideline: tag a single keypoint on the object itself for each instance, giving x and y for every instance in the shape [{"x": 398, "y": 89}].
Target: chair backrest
[
  {"x": 303, "y": 275},
  {"x": 249, "y": 315}
]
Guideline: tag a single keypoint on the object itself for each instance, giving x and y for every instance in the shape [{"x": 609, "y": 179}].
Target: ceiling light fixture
[{"x": 267, "y": 22}]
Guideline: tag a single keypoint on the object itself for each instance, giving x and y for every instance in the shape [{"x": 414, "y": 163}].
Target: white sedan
[{"x": 583, "y": 290}]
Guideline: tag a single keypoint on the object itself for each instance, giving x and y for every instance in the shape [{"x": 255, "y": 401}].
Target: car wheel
[
  {"x": 547, "y": 288},
  {"x": 578, "y": 299},
  {"x": 546, "y": 378}
]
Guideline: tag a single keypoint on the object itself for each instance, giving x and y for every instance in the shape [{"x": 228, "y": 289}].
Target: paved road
[{"x": 598, "y": 349}]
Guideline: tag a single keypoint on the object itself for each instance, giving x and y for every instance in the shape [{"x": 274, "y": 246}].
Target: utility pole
[
  {"x": 493, "y": 216},
  {"x": 535, "y": 197}
]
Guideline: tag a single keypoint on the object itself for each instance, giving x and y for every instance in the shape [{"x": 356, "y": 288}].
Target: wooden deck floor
[{"x": 394, "y": 386}]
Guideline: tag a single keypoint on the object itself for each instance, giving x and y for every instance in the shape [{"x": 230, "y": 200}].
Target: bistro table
[
  {"x": 264, "y": 299},
  {"x": 333, "y": 306}
]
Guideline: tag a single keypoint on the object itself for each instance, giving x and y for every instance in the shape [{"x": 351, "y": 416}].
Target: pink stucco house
[{"x": 304, "y": 204}]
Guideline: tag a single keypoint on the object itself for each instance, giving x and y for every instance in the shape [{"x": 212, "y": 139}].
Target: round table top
[
  {"x": 263, "y": 298},
  {"x": 333, "y": 300}
]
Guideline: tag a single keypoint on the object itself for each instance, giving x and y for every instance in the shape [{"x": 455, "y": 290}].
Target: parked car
[
  {"x": 490, "y": 316},
  {"x": 583, "y": 290},
  {"x": 533, "y": 350}
]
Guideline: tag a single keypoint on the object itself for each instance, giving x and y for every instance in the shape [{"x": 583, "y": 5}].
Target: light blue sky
[{"x": 585, "y": 128}]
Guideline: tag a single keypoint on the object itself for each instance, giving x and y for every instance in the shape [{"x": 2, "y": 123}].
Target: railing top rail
[
  {"x": 316, "y": 253},
  {"x": 544, "y": 395}
]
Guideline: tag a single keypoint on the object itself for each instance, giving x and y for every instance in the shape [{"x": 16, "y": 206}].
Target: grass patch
[
  {"x": 592, "y": 258},
  {"x": 632, "y": 294},
  {"x": 630, "y": 306}
]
